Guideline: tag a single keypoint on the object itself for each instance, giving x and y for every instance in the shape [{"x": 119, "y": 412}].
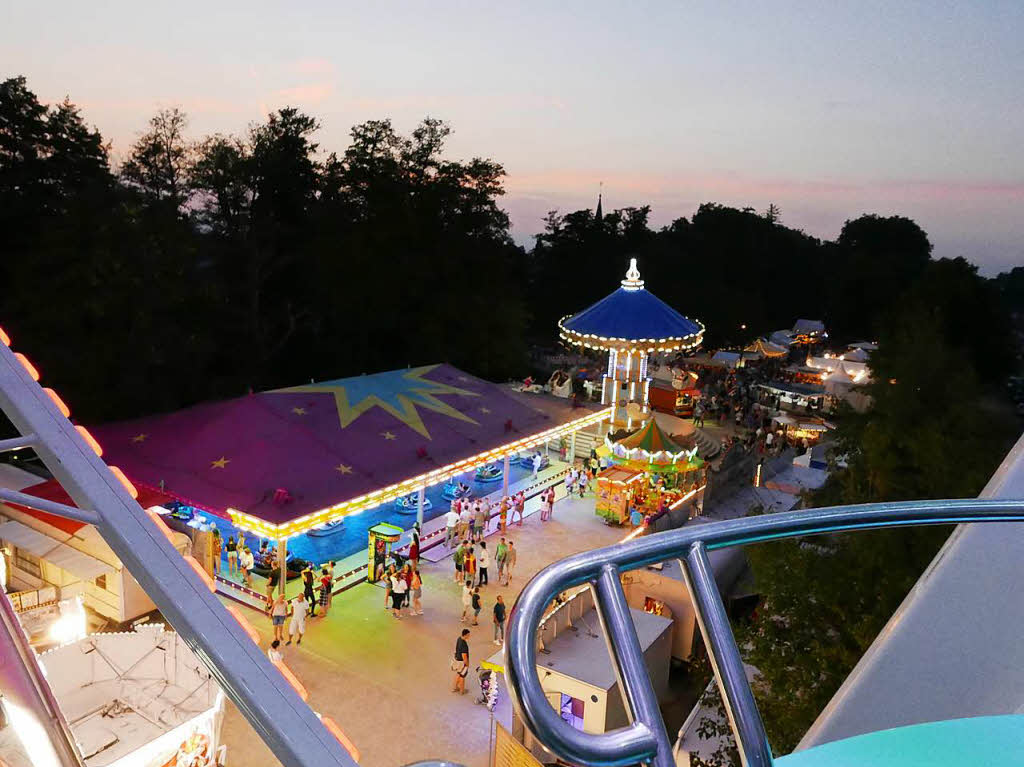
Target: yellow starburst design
[{"x": 400, "y": 392}]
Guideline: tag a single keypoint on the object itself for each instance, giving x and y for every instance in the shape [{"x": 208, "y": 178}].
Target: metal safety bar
[
  {"x": 275, "y": 710},
  {"x": 645, "y": 739}
]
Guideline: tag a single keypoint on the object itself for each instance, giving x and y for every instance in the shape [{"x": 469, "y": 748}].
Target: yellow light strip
[
  {"x": 253, "y": 524},
  {"x": 590, "y": 341}
]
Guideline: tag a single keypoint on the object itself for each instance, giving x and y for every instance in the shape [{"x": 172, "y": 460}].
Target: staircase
[
  {"x": 586, "y": 440},
  {"x": 707, "y": 446}
]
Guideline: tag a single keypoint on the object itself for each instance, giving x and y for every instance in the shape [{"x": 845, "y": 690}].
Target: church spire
[{"x": 598, "y": 215}]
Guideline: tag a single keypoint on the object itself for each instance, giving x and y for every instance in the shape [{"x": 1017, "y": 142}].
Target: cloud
[
  {"x": 313, "y": 66},
  {"x": 310, "y": 93}
]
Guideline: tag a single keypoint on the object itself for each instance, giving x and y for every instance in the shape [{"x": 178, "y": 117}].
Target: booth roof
[
  {"x": 279, "y": 455},
  {"x": 632, "y": 315},
  {"x": 651, "y": 438}
]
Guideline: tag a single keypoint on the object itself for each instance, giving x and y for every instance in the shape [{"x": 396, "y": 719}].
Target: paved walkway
[{"x": 386, "y": 681}]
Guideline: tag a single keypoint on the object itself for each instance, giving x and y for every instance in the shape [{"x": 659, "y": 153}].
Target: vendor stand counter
[{"x": 615, "y": 486}]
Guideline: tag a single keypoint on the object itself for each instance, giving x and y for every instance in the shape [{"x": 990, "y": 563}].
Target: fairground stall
[
  {"x": 137, "y": 699},
  {"x": 649, "y": 474},
  {"x": 301, "y": 474}
]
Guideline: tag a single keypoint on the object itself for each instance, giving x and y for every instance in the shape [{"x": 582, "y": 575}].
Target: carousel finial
[{"x": 633, "y": 281}]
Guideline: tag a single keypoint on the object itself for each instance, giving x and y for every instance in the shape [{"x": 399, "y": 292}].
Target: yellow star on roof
[
  {"x": 402, "y": 393},
  {"x": 139, "y": 438},
  {"x": 485, "y": 410},
  {"x": 343, "y": 468},
  {"x": 220, "y": 463},
  {"x": 299, "y": 410},
  {"x": 387, "y": 435}
]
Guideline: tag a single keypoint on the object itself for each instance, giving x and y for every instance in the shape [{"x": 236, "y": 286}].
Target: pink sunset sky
[{"x": 828, "y": 110}]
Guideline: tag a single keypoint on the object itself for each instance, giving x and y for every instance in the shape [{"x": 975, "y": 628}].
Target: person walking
[
  {"x": 499, "y": 621},
  {"x": 417, "y": 593},
  {"x": 451, "y": 526},
  {"x": 519, "y": 507},
  {"x": 467, "y": 600},
  {"x": 307, "y": 586},
  {"x": 477, "y": 606},
  {"x": 274, "y": 652},
  {"x": 387, "y": 586},
  {"x": 414, "y": 547},
  {"x": 460, "y": 666},
  {"x": 459, "y": 557},
  {"x": 570, "y": 480},
  {"x": 246, "y": 562},
  {"x": 272, "y": 580},
  {"x": 537, "y": 461},
  {"x": 544, "y": 506},
  {"x": 510, "y": 561},
  {"x": 465, "y": 520},
  {"x": 503, "y": 512},
  {"x": 297, "y": 625},
  {"x": 499, "y": 557},
  {"x": 217, "y": 545},
  {"x": 278, "y": 612},
  {"x": 406, "y": 575},
  {"x": 232, "y": 549},
  {"x": 484, "y": 561},
  {"x": 469, "y": 566},
  {"x": 398, "y": 590},
  {"x": 483, "y": 510},
  {"x": 325, "y": 591}
]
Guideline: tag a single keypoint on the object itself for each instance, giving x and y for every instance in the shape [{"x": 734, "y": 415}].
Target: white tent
[{"x": 856, "y": 355}]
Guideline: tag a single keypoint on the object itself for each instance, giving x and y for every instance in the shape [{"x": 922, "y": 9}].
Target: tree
[
  {"x": 825, "y": 599},
  {"x": 159, "y": 163}
]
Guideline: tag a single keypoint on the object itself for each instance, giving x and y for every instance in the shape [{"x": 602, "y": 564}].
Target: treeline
[{"x": 205, "y": 268}]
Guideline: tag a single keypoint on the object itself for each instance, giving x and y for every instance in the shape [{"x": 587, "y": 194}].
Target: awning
[{"x": 53, "y": 551}]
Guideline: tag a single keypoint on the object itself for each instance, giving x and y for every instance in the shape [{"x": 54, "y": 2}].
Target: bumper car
[
  {"x": 294, "y": 567},
  {"x": 327, "y": 528},
  {"x": 453, "y": 490},
  {"x": 489, "y": 473},
  {"x": 407, "y": 503}
]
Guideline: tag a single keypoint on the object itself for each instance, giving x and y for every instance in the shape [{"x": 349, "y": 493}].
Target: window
[
  {"x": 571, "y": 711},
  {"x": 24, "y": 560},
  {"x": 654, "y": 606}
]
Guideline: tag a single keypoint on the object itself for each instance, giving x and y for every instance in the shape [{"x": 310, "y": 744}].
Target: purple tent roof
[{"x": 322, "y": 443}]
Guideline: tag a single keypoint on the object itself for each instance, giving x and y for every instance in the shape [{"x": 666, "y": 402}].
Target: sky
[{"x": 828, "y": 110}]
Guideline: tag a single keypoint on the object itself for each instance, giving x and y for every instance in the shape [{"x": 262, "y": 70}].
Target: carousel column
[
  {"x": 572, "y": 449},
  {"x": 282, "y": 563},
  {"x": 420, "y": 500},
  {"x": 504, "y": 480}
]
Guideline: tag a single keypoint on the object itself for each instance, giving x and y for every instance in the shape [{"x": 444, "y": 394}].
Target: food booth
[{"x": 649, "y": 473}]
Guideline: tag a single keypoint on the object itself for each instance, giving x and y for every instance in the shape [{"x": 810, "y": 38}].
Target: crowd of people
[{"x": 734, "y": 397}]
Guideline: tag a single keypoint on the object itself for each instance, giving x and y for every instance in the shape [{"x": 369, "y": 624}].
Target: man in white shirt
[
  {"x": 537, "y": 461},
  {"x": 300, "y": 608},
  {"x": 451, "y": 521},
  {"x": 465, "y": 521},
  {"x": 274, "y": 652}
]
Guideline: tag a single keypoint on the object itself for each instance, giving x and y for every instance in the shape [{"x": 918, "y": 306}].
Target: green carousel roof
[{"x": 651, "y": 438}]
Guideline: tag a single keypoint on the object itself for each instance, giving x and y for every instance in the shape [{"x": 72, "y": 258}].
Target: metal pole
[
  {"x": 504, "y": 484},
  {"x": 282, "y": 562},
  {"x": 419, "y": 505},
  {"x": 572, "y": 448},
  {"x": 725, "y": 659}
]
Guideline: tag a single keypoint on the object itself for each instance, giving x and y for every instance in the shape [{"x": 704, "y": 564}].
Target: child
[
  {"x": 467, "y": 599},
  {"x": 476, "y": 605}
]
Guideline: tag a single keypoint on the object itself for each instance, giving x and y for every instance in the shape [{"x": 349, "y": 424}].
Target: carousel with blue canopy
[{"x": 630, "y": 324}]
